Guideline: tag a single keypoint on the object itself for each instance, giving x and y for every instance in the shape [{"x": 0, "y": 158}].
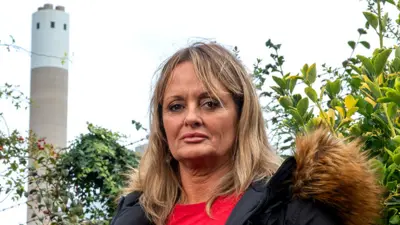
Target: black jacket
[{"x": 327, "y": 182}]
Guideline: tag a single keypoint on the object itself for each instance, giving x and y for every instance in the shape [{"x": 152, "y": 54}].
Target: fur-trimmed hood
[{"x": 339, "y": 175}]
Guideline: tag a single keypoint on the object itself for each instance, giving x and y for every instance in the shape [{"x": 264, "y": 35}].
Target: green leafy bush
[
  {"x": 75, "y": 185},
  {"x": 94, "y": 167},
  {"x": 359, "y": 100}
]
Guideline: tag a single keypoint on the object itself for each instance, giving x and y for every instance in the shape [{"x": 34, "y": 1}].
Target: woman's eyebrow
[{"x": 175, "y": 97}]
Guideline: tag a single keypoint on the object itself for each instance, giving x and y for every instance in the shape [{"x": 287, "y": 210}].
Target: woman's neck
[{"x": 198, "y": 184}]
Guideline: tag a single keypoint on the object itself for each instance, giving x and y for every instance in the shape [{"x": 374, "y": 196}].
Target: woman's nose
[{"x": 193, "y": 117}]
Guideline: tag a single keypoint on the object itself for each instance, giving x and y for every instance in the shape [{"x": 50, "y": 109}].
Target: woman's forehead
[
  {"x": 186, "y": 75},
  {"x": 199, "y": 92}
]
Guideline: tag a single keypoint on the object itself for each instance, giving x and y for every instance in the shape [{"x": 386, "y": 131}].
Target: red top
[{"x": 196, "y": 213}]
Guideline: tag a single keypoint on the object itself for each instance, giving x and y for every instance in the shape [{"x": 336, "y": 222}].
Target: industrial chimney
[{"x": 49, "y": 78}]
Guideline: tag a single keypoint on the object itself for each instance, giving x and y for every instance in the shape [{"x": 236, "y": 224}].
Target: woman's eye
[
  {"x": 175, "y": 107},
  {"x": 211, "y": 104}
]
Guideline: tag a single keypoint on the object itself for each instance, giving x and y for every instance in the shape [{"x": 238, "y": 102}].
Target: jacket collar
[{"x": 263, "y": 193}]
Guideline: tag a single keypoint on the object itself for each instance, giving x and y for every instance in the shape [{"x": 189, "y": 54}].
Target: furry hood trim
[{"x": 339, "y": 175}]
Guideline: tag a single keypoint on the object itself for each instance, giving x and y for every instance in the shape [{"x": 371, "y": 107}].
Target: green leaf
[
  {"x": 384, "y": 21},
  {"x": 367, "y": 64},
  {"x": 350, "y": 101},
  {"x": 392, "y": 185},
  {"x": 352, "y": 44},
  {"x": 280, "y": 82},
  {"x": 390, "y": 153},
  {"x": 292, "y": 84},
  {"x": 302, "y": 106},
  {"x": 322, "y": 92},
  {"x": 40, "y": 160},
  {"x": 391, "y": 2},
  {"x": 344, "y": 122},
  {"x": 278, "y": 90},
  {"x": 365, "y": 44},
  {"x": 396, "y": 139},
  {"x": 376, "y": 92},
  {"x": 285, "y": 101},
  {"x": 356, "y": 69},
  {"x": 396, "y": 64},
  {"x": 304, "y": 70},
  {"x": 355, "y": 130},
  {"x": 390, "y": 170},
  {"x": 329, "y": 89},
  {"x": 333, "y": 88},
  {"x": 392, "y": 109},
  {"x": 311, "y": 93},
  {"x": 378, "y": 166},
  {"x": 397, "y": 52},
  {"x": 351, "y": 111},
  {"x": 381, "y": 60},
  {"x": 397, "y": 84},
  {"x": 311, "y": 74},
  {"x": 395, "y": 219},
  {"x": 372, "y": 19},
  {"x": 336, "y": 86},
  {"x": 14, "y": 166},
  {"x": 396, "y": 158},
  {"x": 296, "y": 116},
  {"x": 361, "y": 31},
  {"x": 341, "y": 111},
  {"x": 335, "y": 102},
  {"x": 394, "y": 96},
  {"x": 296, "y": 97}
]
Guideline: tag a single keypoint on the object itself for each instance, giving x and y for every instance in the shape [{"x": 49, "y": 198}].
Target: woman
[{"x": 209, "y": 162}]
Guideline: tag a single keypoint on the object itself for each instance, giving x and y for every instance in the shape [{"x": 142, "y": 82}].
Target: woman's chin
[{"x": 194, "y": 152}]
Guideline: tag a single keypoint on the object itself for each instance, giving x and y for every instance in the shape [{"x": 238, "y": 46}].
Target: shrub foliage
[{"x": 361, "y": 99}]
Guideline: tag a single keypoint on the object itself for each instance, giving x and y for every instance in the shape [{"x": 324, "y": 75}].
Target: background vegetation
[{"x": 361, "y": 99}]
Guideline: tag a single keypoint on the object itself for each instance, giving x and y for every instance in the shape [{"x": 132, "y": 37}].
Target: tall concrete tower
[{"x": 49, "y": 76}]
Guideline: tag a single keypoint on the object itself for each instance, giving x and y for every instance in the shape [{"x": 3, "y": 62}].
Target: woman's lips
[{"x": 194, "y": 137}]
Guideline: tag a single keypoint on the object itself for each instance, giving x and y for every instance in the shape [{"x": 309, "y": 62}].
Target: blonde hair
[{"x": 252, "y": 159}]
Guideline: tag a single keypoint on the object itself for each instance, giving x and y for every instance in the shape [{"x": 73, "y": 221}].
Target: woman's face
[{"x": 197, "y": 126}]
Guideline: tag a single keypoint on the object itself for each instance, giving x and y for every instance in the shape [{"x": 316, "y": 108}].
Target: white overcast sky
[{"x": 118, "y": 45}]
